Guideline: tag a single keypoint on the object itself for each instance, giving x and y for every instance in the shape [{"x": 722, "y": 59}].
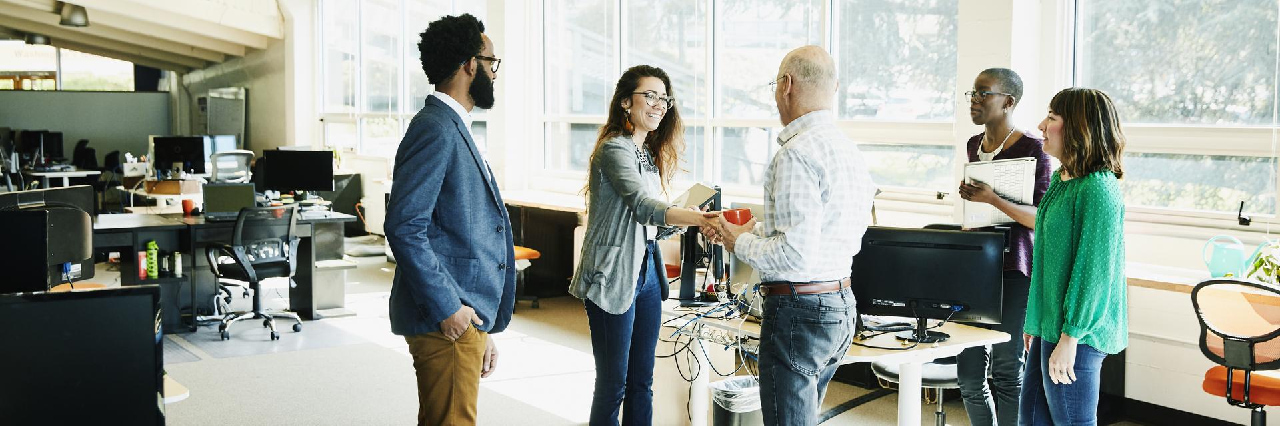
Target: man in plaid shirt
[{"x": 817, "y": 205}]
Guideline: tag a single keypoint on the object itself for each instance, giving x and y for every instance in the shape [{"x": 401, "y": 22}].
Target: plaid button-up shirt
[{"x": 817, "y": 205}]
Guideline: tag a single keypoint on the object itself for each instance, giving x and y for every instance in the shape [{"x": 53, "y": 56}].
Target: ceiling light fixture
[
  {"x": 37, "y": 39},
  {"x": 74, "y": 16}
]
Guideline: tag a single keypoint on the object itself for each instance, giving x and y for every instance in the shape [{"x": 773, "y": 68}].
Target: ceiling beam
[
  {"x": 171, "y": 14},
  {"x": 10, "y": 12},
  {"x": 56, "y": 31},
  {"x": 144, "y": 61},
  {"x": 102, "y": 18}
]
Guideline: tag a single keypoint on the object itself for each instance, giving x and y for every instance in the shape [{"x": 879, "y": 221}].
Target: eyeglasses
[
  {"x": 773, "y": 84},
  {"x": 654, "y": 100},
  {"x": 495, "y": 61},
  {"x": 981, "y": 95}
]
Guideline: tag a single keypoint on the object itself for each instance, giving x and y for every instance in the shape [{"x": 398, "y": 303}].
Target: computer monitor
[
  {"x": 51, "y": 238},
  {"x": 214, "y": 144},
  {"x": 692, "y": 256},
  {"x": 930, "y": 274},
  {"x": 82, "y": 357},
  {"x": 185, "y": 153},
  {"x": 289, "y": 170}
]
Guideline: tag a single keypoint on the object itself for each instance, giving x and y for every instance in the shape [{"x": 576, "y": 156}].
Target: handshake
[{"x": 724, "y": 227}]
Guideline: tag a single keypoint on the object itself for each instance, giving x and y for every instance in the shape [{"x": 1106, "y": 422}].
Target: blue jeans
[
  {"x": 1005, "y": 361},
  {"x": 625, "y": 348},
  {"x": 1046, "y": 403},
  {"x": 802, "y": 339}
]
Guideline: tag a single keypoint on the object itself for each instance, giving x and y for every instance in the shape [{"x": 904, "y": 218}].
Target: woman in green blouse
[{"x": 1076, "y": 310}]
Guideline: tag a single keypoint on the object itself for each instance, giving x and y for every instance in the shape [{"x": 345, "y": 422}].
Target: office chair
[
  {"x": 232, "y": 166},
  {"x": 263, "y": 245},
  {"x": 84, "y": 157},
  {"x": 939, "y": 374},
  {"x": 1240, "y": 336}
]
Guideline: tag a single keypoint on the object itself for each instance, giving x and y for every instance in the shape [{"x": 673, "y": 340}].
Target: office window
[
  {"x": 341, "y": 45},
  {"x": 581, "y": 56},
  {"x": 33, "y": 67},
  {"x": 1181, "y": 62},
  {"x": 897, "y": 59},
  {"x": 1200, "y": 182},
  {"x": 751, "y": 39},
  {"x": 569, "y": 145},
  {"x": 745, "y": 153},
  {"x": 372, "y": 81},
  {"x": 1188, "y": 69},
  {"x": 912, "y": 166}
]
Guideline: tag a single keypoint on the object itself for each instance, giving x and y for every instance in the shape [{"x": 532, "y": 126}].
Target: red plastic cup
[
  {"x": 187, "y": 206},
  {"x": 737, "y": 216}
]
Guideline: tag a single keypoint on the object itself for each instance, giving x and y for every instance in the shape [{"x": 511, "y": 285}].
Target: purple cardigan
[{"x": 1020, "y": 237}]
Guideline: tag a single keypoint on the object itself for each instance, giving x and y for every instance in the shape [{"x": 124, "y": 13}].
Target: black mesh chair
[
  {"x": 263, "y": 245},
  {"x": 1240, "y": 331}
]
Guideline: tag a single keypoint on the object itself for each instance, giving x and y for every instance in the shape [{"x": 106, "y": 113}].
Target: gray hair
[{"x": 813, "y": 70}]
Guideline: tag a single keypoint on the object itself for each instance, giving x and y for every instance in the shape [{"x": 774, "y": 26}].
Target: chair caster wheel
[
  {"x": 297, "y": 328},
  {"x": 535, "y": 304},
  {"x": 225, "y": 335},
  {"x": 275, "y": 336}
]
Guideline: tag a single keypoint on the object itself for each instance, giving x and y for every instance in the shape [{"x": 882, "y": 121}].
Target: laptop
[{"x": 223, "y": 201}]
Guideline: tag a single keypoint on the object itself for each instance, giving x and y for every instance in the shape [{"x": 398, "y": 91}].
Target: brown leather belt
[{"x": 780, "y": 288}]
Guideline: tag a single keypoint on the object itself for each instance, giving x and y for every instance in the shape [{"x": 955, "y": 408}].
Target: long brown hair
[
  {"x": 665, "y": 143},
  {"x": 1091, "y": 136}
]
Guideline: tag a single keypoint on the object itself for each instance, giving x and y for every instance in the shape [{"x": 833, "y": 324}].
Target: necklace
[{"x": 983, "y": 156}]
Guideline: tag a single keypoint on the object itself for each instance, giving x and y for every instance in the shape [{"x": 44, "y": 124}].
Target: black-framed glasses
[
  {"x": 654, "y": 99},
  {"x": 496, "y": 62},
  {"x": 981, "y": 95}
]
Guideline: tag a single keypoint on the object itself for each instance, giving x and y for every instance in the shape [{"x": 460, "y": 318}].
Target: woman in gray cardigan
[{"x": 621, "y": 278}]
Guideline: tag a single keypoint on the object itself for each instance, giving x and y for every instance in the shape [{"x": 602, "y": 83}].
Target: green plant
[{"x": 1266, "y": 266}]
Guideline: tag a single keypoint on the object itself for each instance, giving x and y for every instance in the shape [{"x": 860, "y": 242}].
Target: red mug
[
  {"x": 187, "y": 206},
  {"x": 737, "y": 216}
]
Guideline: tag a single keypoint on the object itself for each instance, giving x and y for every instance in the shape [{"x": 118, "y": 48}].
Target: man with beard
[{"x": 449, "y": 230}]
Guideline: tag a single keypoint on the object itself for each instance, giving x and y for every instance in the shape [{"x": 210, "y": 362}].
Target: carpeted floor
[{"x": 352, "y": 370}]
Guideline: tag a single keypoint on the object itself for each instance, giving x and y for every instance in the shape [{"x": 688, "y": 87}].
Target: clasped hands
[{"x": 716, "y": 229}]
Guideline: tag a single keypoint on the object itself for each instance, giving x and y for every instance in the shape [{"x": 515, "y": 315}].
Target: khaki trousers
[{"x": 448, "y": 376}]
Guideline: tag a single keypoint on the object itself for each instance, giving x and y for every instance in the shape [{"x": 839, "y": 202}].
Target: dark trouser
[
  {"x": 1005, "y": 361},
  {"x": 802, "y": 340},
  {"x": 625, "y": 348},
  {"x": 1046, "y": 403}
]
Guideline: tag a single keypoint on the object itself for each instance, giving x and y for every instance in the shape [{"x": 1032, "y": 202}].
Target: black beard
[{"x": 481, "y": 90}]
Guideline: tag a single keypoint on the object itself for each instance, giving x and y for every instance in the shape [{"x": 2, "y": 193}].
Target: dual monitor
[{"x": 282, "y": 170}]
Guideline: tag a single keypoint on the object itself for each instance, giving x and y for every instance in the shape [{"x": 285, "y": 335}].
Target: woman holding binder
[
  {"x": 1077, "y": 310},
  {"x": 996, "y": 92},
  {"x": 621, "y": 277}
]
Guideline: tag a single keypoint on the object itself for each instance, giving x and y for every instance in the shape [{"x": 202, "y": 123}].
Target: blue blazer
[{"x": 448, "y": 228}]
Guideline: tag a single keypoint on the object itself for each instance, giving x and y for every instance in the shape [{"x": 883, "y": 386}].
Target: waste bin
[{"x": 737, "y": 402}]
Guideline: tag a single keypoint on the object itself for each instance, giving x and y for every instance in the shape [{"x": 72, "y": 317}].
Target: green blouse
[{"x": 1077, "y": 265}]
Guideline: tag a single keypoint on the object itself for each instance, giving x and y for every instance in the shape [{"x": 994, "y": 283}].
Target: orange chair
[
  {"x": 77, "y": 286},
  {"x": 673, "y": 271},
  {"x": 525, "y": 253},
  {"x": 1242, "y": 337}
]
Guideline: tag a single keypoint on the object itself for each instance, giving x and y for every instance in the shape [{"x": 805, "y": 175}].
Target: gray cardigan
[{"x": 623, "y": 198}]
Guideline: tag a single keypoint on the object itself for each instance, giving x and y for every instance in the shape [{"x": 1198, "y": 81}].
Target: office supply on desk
[
  {"x": 1013, "y": 179},
  {"x": 1239, "y": 335},
  {"x": 263, "y": 245},
  {"x": 930, "y": 274},
  {"x": 223, "y": 201},
  {"x": 49, "y": 238},
  {"x": 82, "y": 357}
]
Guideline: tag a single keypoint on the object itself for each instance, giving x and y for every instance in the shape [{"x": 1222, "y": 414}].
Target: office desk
[
  {"x": 321, "y": 245},
  {"x": 910, "y": 361},
  {"x": 550, "y": 219},
  {"x": 129, "y": 233},
  {"x": 66, "y": 176},
  {"x": 318, "y": 279}
]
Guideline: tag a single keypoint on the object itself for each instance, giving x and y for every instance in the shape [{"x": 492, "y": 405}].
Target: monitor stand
[{"x": 921, "y": 334}]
